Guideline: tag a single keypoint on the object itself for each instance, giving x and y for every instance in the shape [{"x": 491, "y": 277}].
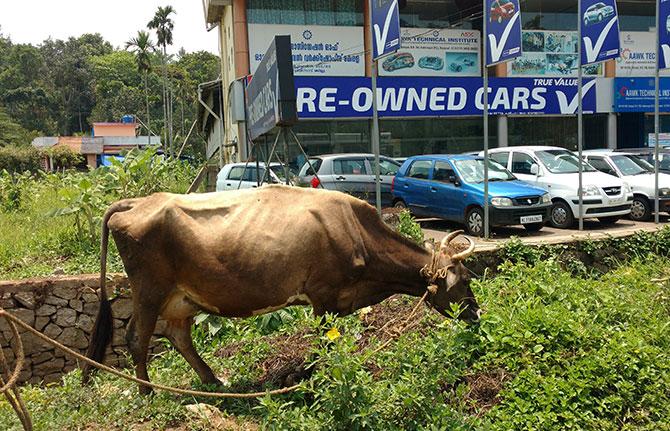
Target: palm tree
[
  {"x": 142, "y": 46},
  {"x": 163, "y": 24}
]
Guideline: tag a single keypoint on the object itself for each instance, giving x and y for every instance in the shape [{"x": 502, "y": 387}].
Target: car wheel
[
  {"x": 641, "y": 209},
  {"x": 608, "y": 221},
  {"x": 400, "y": 205},
  {"x": 561, "y": 216},
  {"x": 500, "y": 20},
  {"x": 474, "y": 222},
  {"x": 534, "y": 227},
  {"x": 600, "y": 17},
  {"x": 586, "y": 22}
]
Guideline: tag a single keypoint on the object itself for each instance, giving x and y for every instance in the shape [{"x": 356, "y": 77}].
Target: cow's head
[{"x": 451, "y": 284}]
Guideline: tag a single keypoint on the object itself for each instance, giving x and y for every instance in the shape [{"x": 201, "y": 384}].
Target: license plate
[
  {"x": 616, "y": 200},
  {"x": 531, "y": 219}
]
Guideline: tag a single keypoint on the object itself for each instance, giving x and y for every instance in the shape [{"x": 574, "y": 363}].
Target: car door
[
  {"x": 352, "y": 177},
  {"x": 501, "y": 157},
  {"x": 521, "y": 165},
  {"x": 416, "y": 187},
  {"x": 232, "y": 180},
  {"x": 388, "y": 168},
  {"x": 446, "y": 200}
]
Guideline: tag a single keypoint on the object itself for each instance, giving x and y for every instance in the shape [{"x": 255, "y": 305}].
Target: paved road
[{"x": 437, "y": 229}]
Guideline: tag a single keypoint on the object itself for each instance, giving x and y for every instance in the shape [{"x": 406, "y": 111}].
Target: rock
[
  {"x": 77, "y": 305},
  {"x": 24, "y": 315},
  {"x": 26, "y": 299},
  {"x": 7, "y": 303},
  {"x": 43, "y": 357},
  {"x": 91, "y": 308},
  {"x": 65, "y": 317},
  {"x": 58, "y": 271},
  {"x": 118, "y": 323},
  {"x": 50, "y": 367},
  {"x": 54, "y": 300},
  {"x": 90, "y": 297},
  {"x": 52, "y": 378},
  {"x": 119, "y": 338},
  {"x": 85, "y": 323},
  {"x": 41, "y": 322},
  {"x": 123, "y": 308},
  {"x": 73, "y": 338},
  {"x": 65, "y": 293},
  {"x": 52, "y": 330},
  {"x": 45, "y": 310}
]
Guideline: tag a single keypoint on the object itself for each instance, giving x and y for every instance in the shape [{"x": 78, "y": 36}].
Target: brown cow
[{"x": 250, "y": 252}]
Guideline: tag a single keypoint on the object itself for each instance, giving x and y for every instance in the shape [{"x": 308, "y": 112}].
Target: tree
[
  {"x": 142, "y": 46},
  {"x": 163, "y": 24}
]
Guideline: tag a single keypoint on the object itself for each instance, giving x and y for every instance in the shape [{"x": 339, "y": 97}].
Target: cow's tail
[{"x": 104, "y": 324}]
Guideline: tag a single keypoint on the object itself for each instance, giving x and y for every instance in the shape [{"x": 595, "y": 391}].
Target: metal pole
[
  {"x": 580, "y": 118},
  {"x": 485, "y": 74},
  {"x": 286, "y": 159},
  {"x": 375, "y": 120},
  {"x": 657, "y": 103}
]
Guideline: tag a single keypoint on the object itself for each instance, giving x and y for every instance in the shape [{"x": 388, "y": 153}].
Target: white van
[
  {"x": 638, "y": 174},
  {"x": 235, "y": 176},
  {"x": 556, "y": 169}
]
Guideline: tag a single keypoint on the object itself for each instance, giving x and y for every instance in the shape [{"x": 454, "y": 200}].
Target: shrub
[
  {"x": 409, "y": 228},
  {"x": 20, "y": 159},
  {"x": 64, "y": 158}
]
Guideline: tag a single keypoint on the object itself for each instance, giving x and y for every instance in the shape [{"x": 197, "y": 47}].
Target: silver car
[{"x": 351, "y": 173}]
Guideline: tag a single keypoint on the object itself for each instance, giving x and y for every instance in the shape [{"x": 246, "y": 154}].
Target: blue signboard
[
  {"x": 638, "y": 94},
  {"x": 664, "y": 35},
  {"x": 600, "y": 31},
  {"x": 332, "y": 97},
  {"x": 385, "y": 27},
  {"x": 270, "y": 94},
  {"x": 504, "y": 31}
]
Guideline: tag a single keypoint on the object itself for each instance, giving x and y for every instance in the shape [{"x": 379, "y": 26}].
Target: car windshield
[
  {"x": 632, "y": 165},
  {"x": 562, "y": 162},
  {"x": 472, "y": 171}
]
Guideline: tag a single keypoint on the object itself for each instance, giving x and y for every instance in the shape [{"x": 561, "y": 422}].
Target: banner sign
[
  {"x": 440, "y": 97},
  {"x": 638, "y": 94},
  {"x": 600, "y": 31},
  {"x": 550, "y": 53},
  {"x": 271, "y": 92},
  {"x": 433, "y": 52},
  {"x": 663, "y": 139},
  {"x": 638, "y": 55},
  {"x": 385, "y": 27},
  {"x": 504, "y": 31},
  {"x": 317, "y": 49},
  {"x": 664, "y": 35}
]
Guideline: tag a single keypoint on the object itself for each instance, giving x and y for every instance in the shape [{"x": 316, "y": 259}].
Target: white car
[
  {"x": 235, "y": 176},
  {"x": 605, "y": 197},
  {"x": 639, "y": 175}
]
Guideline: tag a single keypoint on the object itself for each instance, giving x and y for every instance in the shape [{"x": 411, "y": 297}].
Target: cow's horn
[
  {"x": 465, "y": 254},
  {"x": 447, "y": 239}
]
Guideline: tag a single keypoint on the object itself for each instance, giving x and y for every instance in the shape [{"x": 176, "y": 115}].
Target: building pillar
[
  {"x": 367, "y": 38},
  {"x": 612, "y": 131},
  {"x": 240, "y": 38},
  {"x": 503, "y": 139}
]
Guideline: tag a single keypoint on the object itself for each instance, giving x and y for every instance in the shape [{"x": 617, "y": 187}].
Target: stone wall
[{"x": 63, "y": 308}]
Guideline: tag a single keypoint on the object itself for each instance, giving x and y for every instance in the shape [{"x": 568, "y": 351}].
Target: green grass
[{"x": 555, "y": 351}]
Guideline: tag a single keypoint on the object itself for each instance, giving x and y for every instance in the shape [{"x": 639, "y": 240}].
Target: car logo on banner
[
  {"x": 386, "y": 27},
  {"x": 600, "y": 31},
  {"x": 503, "y": 31}
]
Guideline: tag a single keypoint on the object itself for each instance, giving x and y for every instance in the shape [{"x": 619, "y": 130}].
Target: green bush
[
  {"x": 64, "y": 158},
  {"x": 408, "y": 227},
  {"x": 20, "y": 159}
]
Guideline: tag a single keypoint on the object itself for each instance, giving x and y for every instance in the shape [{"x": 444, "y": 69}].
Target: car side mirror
[
  {"x": 535, "y": 169},
  {"x": 454, "y": 180}
]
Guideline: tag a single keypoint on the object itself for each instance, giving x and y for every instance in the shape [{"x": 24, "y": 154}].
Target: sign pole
[
  {"x": 657, "y": 103},
  {"x": 375, "y": 137},
  {"x": 485, "y": 74},
  {"x": 580, "y": 118}
]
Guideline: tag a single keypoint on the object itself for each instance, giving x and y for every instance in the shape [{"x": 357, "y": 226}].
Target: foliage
[
  {"x": 20, "y": 159},
  {"x": 409, "y": 228},
  {"x": 64, "y": 158}
]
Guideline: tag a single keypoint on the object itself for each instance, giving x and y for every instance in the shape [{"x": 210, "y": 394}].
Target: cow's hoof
[{"x": 146, "y": 390}]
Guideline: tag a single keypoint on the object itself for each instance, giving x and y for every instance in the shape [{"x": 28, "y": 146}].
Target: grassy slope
[{"x": 554, "y": 351}]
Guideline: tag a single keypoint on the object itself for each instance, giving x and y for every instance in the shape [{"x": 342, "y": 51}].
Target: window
[
  {"x": 501, "y": 158},
  {"x": 239, "y": 172},
  {"x": 443, "y": 171},
  {"x": 306, "y": 170},
  {"x": 629, "y": 166},
  {"x": 349, "y": 167},
  {"x": 562, "y": 162},
  {"x": 602, "y": 165},
  {"x": 306, "y": 12},
  {"x": 420, "y": 169},
  {"x": 522, "y": 163},
  {"x": 386, "y": 166},
  {"x": 472, "y": 171}
]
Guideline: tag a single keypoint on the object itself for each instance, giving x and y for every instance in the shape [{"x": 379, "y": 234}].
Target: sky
[{"x": 32, "y": 21}]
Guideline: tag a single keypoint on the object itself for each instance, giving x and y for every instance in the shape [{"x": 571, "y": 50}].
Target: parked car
[
  {"x": 501, "y": 10},
  {"x": 434, "y": 63},
  {"x": 350, "y": 173},
  {"x": 452, "y": 188},
  {"x": 235, "y": 176},
  {"x": 639, "y": 175},
  {"x": 597, "y": 13},
  {"x": 397, "y": 61},
  {"x": 605, "y": 197},
  {"x": 648, "y": 155},
  {"x": 460, "y": 63}
]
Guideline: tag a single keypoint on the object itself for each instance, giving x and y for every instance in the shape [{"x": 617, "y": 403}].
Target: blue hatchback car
[{"x": 452, "y": 188}]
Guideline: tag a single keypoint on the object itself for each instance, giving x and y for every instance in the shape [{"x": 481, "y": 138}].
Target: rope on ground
[{"x": 8, "y": 381}]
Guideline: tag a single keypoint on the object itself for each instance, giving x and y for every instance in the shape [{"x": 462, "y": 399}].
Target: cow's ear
[{"x": 429, "y": 245}]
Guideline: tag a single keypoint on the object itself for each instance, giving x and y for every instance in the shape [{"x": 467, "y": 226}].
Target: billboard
[
  {"x": 600, "y": 31},
  {"x": 317, "y": 49},
  {"x": 435, "y": 52},
  {"x": 385, "y": 27},
  {"x": 270, "y": 100},
  {"x": 638, "y": 94},
  {"x": 550, "y": 53},
  {"x": 325, "y": 98},
  {"x": 504, "y": 31}
]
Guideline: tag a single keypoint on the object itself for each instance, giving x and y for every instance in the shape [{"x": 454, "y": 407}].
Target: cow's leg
[
  {"x": 140, "y": 329},
  {"x": 179, "y": 334}
]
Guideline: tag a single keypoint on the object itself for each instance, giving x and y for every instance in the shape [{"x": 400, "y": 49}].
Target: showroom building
[{"x": 430, "y": 91}]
